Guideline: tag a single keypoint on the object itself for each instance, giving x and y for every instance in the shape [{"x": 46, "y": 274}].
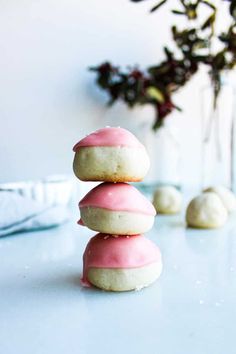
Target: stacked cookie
[{"x": 119, "y": 257}]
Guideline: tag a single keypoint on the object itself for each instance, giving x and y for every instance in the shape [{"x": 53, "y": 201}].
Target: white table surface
[{"x": 191, "y": 309}]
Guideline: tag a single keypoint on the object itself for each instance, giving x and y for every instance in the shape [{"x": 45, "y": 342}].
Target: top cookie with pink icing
[
  {"x": 118, "y": 197},
  {"x": 109, "y": 137}
]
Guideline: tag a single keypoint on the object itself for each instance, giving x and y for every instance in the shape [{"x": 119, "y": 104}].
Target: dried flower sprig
[{"x": 157, "y": 84}]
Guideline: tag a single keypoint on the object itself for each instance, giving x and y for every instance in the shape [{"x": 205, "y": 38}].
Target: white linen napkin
[{"x": 18, "y": 213}]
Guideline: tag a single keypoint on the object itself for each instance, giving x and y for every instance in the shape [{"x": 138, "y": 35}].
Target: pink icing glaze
[
  {"x": 106, "y": 251},
  {"x": 109, "y": 137},
  {"x": 118, "y": 196},
  {"x": 80, "y": 222}
]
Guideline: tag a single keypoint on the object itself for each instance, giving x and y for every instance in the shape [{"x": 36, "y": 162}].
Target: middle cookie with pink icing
[{"x": 116, "y": 209}]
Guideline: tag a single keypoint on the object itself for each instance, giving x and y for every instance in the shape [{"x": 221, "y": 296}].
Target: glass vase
[
  {"x": 164, "y": 151},
  {"x": 218, "y": 136}
]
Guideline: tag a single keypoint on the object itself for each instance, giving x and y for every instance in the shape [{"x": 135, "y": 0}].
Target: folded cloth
[{"x": 19, "y": 213}]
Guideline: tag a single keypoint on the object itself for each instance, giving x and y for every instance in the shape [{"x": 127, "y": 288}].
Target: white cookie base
[
  {"x": 116, "y": 222},
  {"x": 111, "y": 164},
  {"x": 125, "y": 279}
]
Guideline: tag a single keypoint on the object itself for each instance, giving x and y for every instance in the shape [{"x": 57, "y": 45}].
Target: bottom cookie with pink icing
[{"x": 121, "y": 263}]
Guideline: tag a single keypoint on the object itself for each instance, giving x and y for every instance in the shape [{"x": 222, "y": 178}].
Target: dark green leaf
[
  {"x": 158, "y": 123},
  {"x": 178, "y": 108},
  {"x": 233, "y": 8},
  {"x": 168, "y": 53},
  {"x": 219, "y": 60},
  {"x": 158, "y": 5},
  {"x": 209, "y": 22},
  {"x": 177, "y": 12}
]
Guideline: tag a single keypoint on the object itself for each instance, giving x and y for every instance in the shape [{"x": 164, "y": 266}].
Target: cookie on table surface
[
  {"x": 206, "y": 211},
  {"x": 167, "y": 200},
  {"x": 121, "y": 263},
  {"x": 226, "y": 195}
]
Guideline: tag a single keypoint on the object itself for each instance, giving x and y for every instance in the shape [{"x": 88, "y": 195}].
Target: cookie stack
[{"x": 119, "y": 257}]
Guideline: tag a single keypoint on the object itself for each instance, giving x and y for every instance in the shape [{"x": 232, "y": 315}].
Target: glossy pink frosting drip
[
  {"x": 106, "y": 251},
  {"x": 80, "y": 222},
  {"x": 118, "y": 197},
  {"x": 109, "y": 137}
]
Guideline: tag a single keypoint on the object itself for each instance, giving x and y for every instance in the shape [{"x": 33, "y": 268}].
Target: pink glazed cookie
[
  {"x": 121, "y": 263},
  {"x": 110, "y": 155},
  {"x": 116, "y": 208}
]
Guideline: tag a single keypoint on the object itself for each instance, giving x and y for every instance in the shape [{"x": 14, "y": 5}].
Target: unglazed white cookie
[
  {"x": 121, "y": 263},
  {"x": 116, "y": 208},
  {"x": 206, "y": 211},
  {"x": 110, "y": 155},
  {"x": 226, "y": 195},
  {"x": 167, "y": 200}
]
